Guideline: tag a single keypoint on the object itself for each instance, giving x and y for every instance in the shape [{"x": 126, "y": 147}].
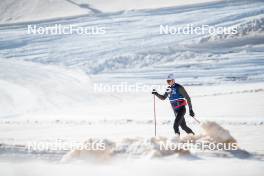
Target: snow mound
[
  {"x": 217, "y": 133},
  {"x": 152, "y": 147},
  {"x": 252, "y": 27},
  {"x": 129, "y": 147},
  {"x": 27, "y": 88},
  {"x": 24, "y": 10}
]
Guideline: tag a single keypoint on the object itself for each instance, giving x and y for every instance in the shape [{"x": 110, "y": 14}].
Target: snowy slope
[
  {"x": 27, "y": 88},
  {"x": 47, "y": 95},
  {"x": 199, "y": 59},
  {"x": 133, "y": 51},
  {"x": 12, "y": 11},
  {"x": 24, "y": 10},
  {"x": 125, "y": 5}
]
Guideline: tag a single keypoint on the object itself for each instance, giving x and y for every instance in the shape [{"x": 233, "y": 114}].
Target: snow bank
[{"x": 28, "y": 88}]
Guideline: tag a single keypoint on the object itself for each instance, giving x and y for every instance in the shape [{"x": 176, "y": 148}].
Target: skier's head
[{"x": 170, "y": 79}]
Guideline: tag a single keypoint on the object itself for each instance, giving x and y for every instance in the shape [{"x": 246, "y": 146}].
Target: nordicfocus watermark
[
  {"x": 204, "y": 145},
  {"x": 124, "y": 87},
  {"x": 198, "y": 30},
  {"x": 100, "y": 145},
  {"x": 95, "y": 145},
  {"x": 59, "y": 29}
]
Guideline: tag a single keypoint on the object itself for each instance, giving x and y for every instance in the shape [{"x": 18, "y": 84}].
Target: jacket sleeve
[
  {"x": 162, "y": 97},
  {"x": 186, "y": 96}
]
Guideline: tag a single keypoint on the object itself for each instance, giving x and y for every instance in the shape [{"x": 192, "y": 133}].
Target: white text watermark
[
  {"x": 59, "y": 29},
  {"x": 190, "y": 29},
  {"x": 125, "y": 87}
]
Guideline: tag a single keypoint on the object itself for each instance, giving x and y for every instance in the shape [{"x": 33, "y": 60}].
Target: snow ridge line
[
  {"x": 230, "y": 93},
  {"x": 58, "y": 122}
]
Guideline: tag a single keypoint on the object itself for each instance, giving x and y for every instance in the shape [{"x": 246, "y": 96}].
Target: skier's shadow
[{"x": 85, "y": 6}]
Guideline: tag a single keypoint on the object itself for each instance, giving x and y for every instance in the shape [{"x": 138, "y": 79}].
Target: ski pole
[
  {"x": 155, "y": 120},
  {"x": 196, "y": 120}
]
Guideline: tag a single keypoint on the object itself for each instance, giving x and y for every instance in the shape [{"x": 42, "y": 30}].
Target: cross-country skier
[{"x": 177, "y": 96}]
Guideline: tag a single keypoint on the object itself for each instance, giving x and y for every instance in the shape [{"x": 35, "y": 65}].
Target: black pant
[{"x": 180, "y": 121}]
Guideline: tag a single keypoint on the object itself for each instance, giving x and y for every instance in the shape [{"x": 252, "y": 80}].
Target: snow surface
[
  {"x": 141, "y": 167},
  {"x": 24, "y": 10},
  {"x": 47, "y": 95},
  {"x": 12, "y": 11}
]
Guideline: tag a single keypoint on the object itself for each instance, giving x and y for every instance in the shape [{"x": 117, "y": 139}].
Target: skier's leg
[
  {"x": 179, "y": 114},
  {"x": 185, "y": 127},
  {"x": 176, "y": 126}
]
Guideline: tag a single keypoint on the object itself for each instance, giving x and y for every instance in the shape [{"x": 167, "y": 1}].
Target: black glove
[
  {"x": 192, "y": 113},
  {"x": 154, "y": 92},
  {"x": 168, "y": 90}
]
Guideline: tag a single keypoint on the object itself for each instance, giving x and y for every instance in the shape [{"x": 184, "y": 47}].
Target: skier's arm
[
  {"x": 186, "y": 96},
  {"x": 162, "y": 97}
]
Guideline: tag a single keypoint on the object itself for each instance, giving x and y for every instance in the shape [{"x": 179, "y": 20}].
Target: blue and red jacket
[{"x": 177, "y": 95}]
